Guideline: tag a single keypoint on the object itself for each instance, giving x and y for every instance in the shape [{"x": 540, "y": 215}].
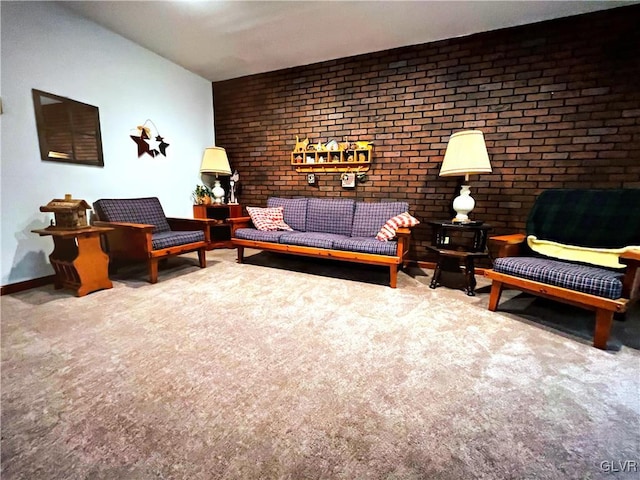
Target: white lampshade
[
  {"x": 215, "y": 161},
  {"x": 466, "y": 154}
]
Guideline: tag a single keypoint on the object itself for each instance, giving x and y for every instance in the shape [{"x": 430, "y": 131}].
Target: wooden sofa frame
[
  {"x": 510, "y": 245},
  {"x": 132, "y": 241},
  {"x": 393, "y": 262}
]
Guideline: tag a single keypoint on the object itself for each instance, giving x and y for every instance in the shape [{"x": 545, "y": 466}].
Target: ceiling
[{"x": 220, "y": 40}]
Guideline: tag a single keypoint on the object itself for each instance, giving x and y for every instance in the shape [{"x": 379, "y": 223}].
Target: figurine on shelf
[
  {"x": 301, "y": 146},
  {"x": 233, "y": 182},
  {"x": 332, "y": 145},
  {"x": 363, "y": 145}
]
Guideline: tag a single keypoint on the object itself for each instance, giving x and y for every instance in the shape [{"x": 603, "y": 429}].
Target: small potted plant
[{"x": 201, "y": 195}]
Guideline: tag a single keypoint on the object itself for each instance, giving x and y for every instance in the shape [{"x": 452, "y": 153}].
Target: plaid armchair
[
  {"x": 142, "y": 232},
  {"x": 582, "y": 247}
]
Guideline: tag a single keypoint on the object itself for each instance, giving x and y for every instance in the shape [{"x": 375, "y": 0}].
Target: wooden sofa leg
[
  {"x": 494, "y": 297},
  {"x": 153, "y": 270},
  {"x": 604, "y": 319},
  {"x": 240, "y": 254},
  {"x": 393, "y": 275},
  {"x": 202, "y": 257}
]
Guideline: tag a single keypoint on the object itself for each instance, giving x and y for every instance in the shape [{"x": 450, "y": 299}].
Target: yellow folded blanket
[{"x": 604, "y": 257}]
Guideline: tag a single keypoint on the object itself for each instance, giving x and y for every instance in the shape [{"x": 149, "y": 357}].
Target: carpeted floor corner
[{"x": 288, "y": 368}]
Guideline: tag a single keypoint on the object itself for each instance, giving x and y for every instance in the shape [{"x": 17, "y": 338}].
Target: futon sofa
[
  {"x": 581, "y": 247},
  {"x": 142, "y": 232},
  {"x": 338, "y": 229}
]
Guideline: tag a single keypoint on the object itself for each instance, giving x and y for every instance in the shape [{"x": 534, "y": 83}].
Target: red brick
[{"x": 553, "y": 113}]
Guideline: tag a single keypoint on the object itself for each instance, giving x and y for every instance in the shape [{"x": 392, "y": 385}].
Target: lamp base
[
  {"x": 218, "y": 193},
  {"x": 463, "y": 204}
]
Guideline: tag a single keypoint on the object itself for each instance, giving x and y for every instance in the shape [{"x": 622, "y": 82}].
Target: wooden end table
[
  {"x": 457, "y": 245},
  {"x": 78, "y": 259},
  {"x": 220, "y": 231}
]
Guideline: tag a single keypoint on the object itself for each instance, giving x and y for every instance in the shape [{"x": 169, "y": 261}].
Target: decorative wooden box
[{"x": 70, "y": 214}]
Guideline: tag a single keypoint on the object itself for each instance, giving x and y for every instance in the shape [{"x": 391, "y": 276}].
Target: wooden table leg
[
  {"x": 436, "y": 273},
  {"x": 470, "y": 274}
]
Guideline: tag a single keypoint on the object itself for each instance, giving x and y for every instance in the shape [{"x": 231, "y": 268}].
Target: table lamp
[
  {"x": 466, "y": 154},
  {"x": 215, "y": 161}
]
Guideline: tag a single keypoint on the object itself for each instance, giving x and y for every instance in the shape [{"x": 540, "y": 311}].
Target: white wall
[{"x": 46, "y": 47}]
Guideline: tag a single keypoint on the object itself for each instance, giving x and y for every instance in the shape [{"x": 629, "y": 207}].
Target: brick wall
[{"x": 558, "y": 102}]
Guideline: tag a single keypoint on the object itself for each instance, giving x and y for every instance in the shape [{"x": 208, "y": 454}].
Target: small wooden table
[
  {"x": 457, "y": 244},
  {"x": 78, "y": 259},
  {"x": 219, "y": 231}
]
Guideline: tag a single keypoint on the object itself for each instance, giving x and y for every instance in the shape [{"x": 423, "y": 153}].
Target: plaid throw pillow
[
  {"x": 388, "y": 230},
  {"x": 269, "y": 219}
]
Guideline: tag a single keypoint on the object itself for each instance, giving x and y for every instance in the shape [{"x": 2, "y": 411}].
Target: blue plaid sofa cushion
[
  {"x": 295, "y": 211},
  {"x": 174, "y": 238},
  {"x": 310, "y": 239},
  {"x": 366, "y": 245},
  {"x": 132, "y": 210},
  {"x": 582, "y": 278},
  {"x": 259, "y": 235},
  {"x": 368, "y": 217},
  {"x": 330, "y": 216}
]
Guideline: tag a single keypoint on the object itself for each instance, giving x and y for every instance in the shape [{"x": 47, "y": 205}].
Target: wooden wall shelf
[{"x": 333, "y": 160}]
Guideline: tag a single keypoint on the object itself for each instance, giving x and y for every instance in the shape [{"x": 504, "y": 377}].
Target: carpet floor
[{"x": 288, "y": 368}]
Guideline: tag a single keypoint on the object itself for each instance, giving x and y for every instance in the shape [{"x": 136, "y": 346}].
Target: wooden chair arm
[
  {"x": 512, "y": 239},
  {"x": 403, "y": 234},
  {"x": 190, "y": 224},
  {"x": 631, "y": 284},
  {"x": 630, "y": 257},
  {"x": 508, "y": 245},
  {"x": 128, "y": 240},
  {"x": 182, "y": 224},
  {"x": 242, "y": 220},
  {"x": 139, "y": 227},
  {"x": 239, "y": 222}
]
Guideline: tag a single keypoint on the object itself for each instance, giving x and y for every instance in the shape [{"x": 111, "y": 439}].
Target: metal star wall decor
[{"x": 152, "y": 145}]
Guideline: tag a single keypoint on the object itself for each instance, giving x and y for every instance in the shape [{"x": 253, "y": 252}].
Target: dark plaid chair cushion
[
  {"x": 259, "y": 235},
  {"x": 173, "y": 239},
  {"x": 587, "y": 218},
  {"x": 366, "y": 245},
  {"x": 368, "y": 217},
  {"x": 132, "y": 210},
  {"x": 582, "y": 278},
  {"x": 295, "y": 211},
  {"x": 310, "y": 239},
  {"x": 330, "y": 216}
]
